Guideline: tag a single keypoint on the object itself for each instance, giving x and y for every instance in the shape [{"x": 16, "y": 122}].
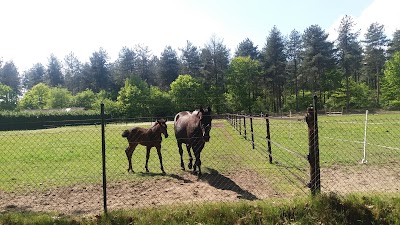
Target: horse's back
[{"x": 186, "y": 126}]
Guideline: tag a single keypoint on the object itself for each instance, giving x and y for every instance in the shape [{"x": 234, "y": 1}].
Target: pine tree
[
  {"x": 394, "y": 44},
  {"x": 54, "y": 76},
  {"x": 318, "y": 58},
  {"x": 191, "y": 62},
  {"x": 247, "y": 48},
  {"x": 168, "y": 67},
  {"x": 274, "y": 62},
  {"x": 374, "y": 59},
  {"x": 294, "y": 50},
  {"x": 349, "y": 52}
]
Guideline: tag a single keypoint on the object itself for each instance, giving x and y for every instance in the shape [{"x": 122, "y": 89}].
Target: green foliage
[
  {"x": 59, "y": 98},
  {"x": 187, "y": 93},
  {"x": 8, "y": 98},
  {"x": 36, "y": 98},
  {"x": 242, "y": 80},
  {"x": 391, "y": 82},
  {"x": 133, "y": 98},
  {"x": 160, "y": 104},
  {"x": 304, "y": 101},
  {"x": 360, "y": 96},
  {"x": 84, "y": 99}
]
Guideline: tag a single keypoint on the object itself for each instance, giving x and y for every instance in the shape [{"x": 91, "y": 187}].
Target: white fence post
[{"x": 364, "y": 160}]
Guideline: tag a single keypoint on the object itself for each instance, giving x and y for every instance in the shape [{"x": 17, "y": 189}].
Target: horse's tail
[{"x": 125, "y": 133}]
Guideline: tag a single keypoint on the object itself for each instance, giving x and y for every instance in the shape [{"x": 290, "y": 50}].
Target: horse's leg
[
  {"x": 160, "y": 158},
  {"x": 197, "y": 152},
  {"x": 129, "y": 151},
  {"x": 197, "y": 163},
  {"x": 181, "y": 154},
  {"x": 190, "y": 165},
  {"x": 147, "y": 157}
]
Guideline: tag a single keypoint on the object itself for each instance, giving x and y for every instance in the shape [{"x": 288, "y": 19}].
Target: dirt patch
[
  {"x": 363, "y": 178},
  {"x": 170, "y": 189},
  {"x": 186, "y": 188}
]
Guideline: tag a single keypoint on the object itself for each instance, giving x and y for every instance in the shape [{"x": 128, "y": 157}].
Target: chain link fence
[{"x": 247, "y": 158}]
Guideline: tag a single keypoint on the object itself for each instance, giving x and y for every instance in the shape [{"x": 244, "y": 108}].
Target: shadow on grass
[{"x": 219, "y": 181}]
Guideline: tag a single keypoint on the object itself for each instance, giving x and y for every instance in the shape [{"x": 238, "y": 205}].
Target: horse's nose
[{"x": 166, "y": 135}]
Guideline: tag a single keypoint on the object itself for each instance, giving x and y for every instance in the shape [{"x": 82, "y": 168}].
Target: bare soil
[{"x": 187, "y": 188}]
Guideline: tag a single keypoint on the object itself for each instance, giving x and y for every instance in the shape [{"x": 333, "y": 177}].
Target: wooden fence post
[
  {"x": 268, "y": 139},
  {"x": 313, "y": 147}
]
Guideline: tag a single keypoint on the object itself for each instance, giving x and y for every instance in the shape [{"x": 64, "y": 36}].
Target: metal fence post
[
  {"x": 240, "y": 125},
  {"x": 313, "y": 156},
  {"x": 268, "y": 139},
  {"x": 244, "y": 126},
  {"x": 103, "y": 154},
  {"x": 251, "y": 130}
]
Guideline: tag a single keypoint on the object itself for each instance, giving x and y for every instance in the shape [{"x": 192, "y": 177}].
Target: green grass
[
  {"x": 66, "y": 156},
  {"x": 324, "y": 209}
]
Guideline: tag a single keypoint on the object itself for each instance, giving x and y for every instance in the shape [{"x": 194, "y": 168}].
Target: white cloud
[{"x": 382, "y": 11}]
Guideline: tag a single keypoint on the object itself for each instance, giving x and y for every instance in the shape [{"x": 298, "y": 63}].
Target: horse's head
[
  {"x": 163, "y": 126},
  {"x": 206, "y": 122}
]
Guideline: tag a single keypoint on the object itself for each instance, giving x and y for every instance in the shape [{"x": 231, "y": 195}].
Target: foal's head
[
  {"x": 163, "y": 126},
  {"x": 206, "y": 122}
]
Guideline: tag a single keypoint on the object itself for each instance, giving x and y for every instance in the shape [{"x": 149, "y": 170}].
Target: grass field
[{"x": 67, "y": 156}]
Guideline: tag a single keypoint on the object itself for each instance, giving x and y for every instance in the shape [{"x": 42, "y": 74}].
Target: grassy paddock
[{"x": 59, "y": 157}]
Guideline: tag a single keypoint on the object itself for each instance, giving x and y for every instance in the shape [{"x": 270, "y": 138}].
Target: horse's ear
[
  {"x": 201, "y": 109},
  {"x": 209, "y": 109}
]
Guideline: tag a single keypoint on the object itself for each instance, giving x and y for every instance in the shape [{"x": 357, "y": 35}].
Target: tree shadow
[{"x": 219, "y": 181}]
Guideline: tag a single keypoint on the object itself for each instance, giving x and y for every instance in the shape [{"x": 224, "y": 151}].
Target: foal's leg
[
  {"x": 129, "y": 151},
  {"x": 160, "y": 158},
  {"x": 190, "y": 165},
  {"x": 147, "y": 157},
  {"x": 181, "y": 154}
]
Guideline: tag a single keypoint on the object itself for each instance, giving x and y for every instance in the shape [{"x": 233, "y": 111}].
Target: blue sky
[{"x": 32, "y": 30}]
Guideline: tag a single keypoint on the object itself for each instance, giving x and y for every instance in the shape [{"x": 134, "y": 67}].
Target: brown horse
[
  {"x": 148, "y": 137},
  {"x": 193, "y": 129}
]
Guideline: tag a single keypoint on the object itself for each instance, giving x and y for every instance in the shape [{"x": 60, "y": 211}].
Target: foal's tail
[{"x": 125, "y": 133}]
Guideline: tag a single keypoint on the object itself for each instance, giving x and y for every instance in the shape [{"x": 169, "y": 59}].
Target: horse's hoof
[
  {"x": 190, "y": 166},
  {"x": 163, "y": 172}
]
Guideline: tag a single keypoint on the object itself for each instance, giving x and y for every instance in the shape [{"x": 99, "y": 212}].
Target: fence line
[{"x": 59, "y": 169}]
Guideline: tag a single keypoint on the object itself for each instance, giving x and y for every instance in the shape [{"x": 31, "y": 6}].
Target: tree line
[{"x": 349, "y": 73}]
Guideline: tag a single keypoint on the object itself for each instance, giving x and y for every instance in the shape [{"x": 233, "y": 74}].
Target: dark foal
[
  {"x": 193, "y": 129},
  {"x": 150, "y": 137}
]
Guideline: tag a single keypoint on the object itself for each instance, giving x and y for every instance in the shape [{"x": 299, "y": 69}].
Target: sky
[{"x": 32, "y": 30}]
